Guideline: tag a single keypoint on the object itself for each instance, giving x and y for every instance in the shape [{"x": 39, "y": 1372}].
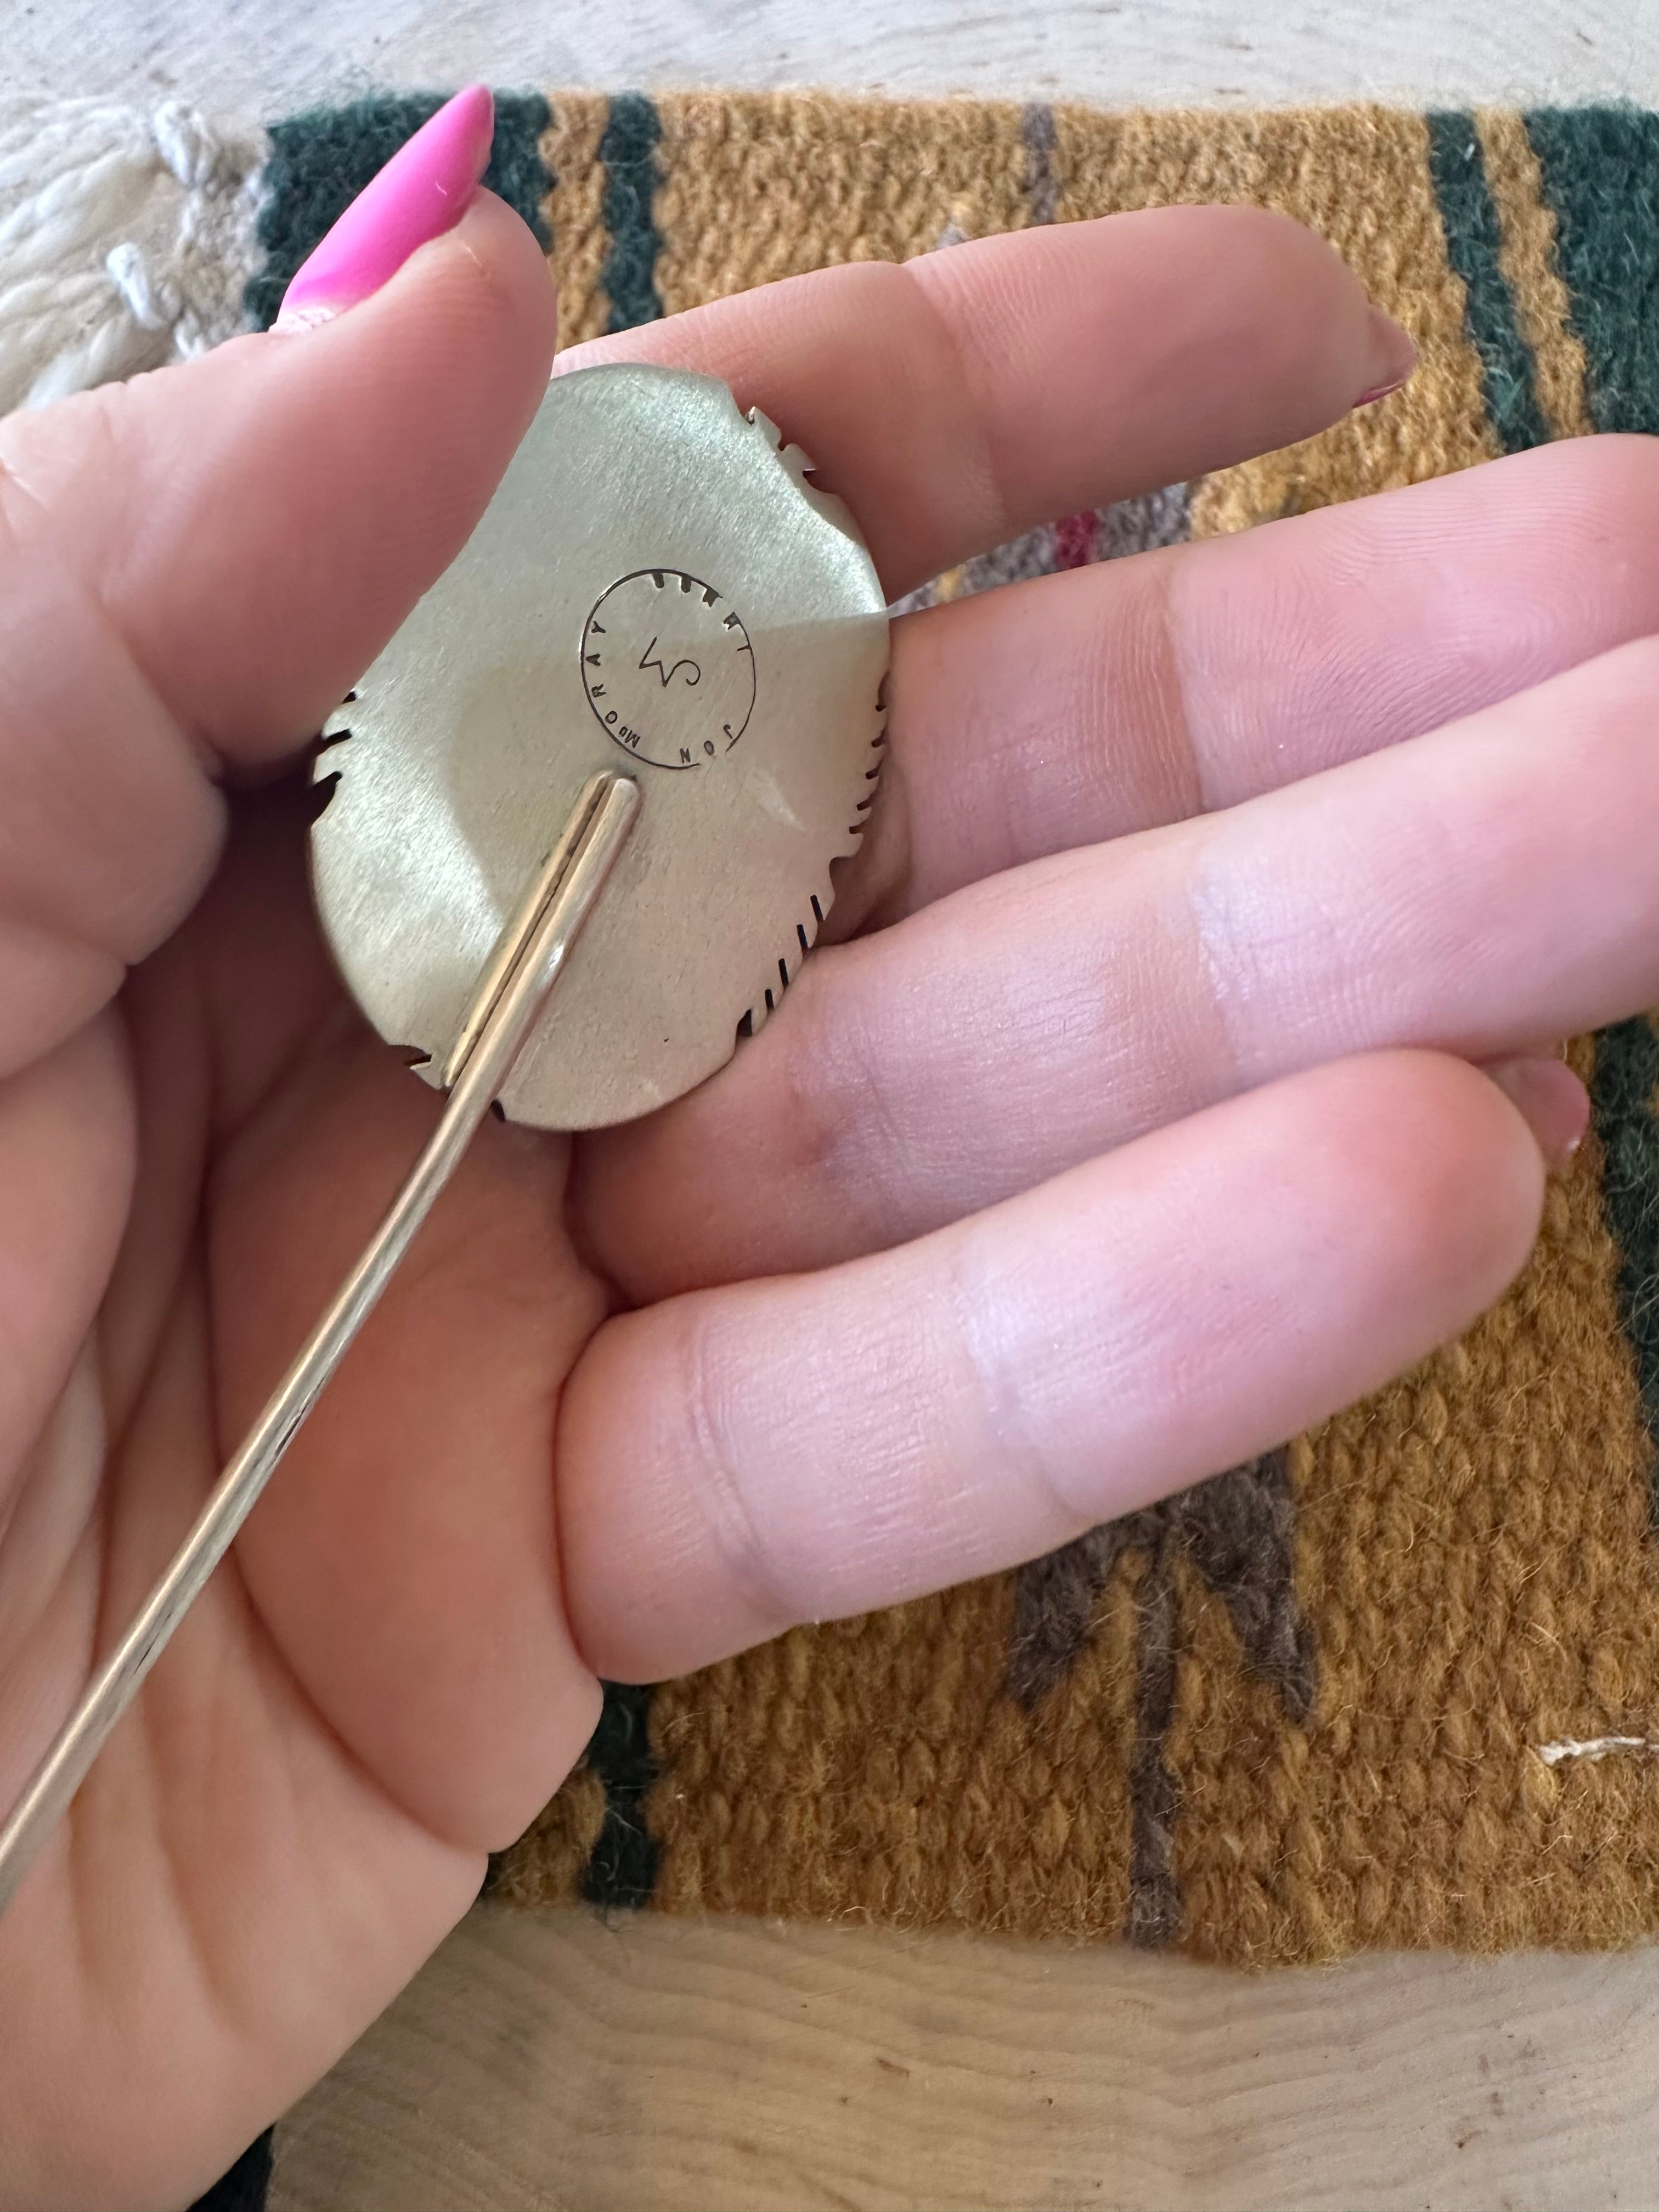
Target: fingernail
[
  {"x": 1552, "y": 1101},
  {"x": 423, "y": 191},
  {"x": 1394, "y": 357}
]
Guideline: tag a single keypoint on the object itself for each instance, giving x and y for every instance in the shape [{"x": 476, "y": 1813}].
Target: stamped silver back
[{"x": 653, "y": 578}]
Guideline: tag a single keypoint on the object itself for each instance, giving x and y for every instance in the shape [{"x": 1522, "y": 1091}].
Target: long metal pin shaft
[{"x": 511, "y": 996}]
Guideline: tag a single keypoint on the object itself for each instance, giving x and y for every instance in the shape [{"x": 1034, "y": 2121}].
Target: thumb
[{"x": 195, "y": 567}]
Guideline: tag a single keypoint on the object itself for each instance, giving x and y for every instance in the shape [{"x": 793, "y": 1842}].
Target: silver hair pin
[{"x": 639, "y": 709}]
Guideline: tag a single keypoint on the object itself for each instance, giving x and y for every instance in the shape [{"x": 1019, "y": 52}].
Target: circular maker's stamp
[{"x": 668, "y": 668}]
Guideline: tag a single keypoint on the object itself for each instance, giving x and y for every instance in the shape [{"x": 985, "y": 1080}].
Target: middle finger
[{"x": 1079, "y": 707}]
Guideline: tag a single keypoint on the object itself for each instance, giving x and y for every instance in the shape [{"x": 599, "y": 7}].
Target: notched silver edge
[{"x": 822, "y": 898}]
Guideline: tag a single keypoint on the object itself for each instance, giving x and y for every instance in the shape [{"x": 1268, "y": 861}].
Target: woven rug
[{"x": 1397, "y": 1684}]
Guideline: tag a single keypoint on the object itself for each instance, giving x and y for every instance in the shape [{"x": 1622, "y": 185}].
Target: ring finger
[{"x": 1470, "y": 890}]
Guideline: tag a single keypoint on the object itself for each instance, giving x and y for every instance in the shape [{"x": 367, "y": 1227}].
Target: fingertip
[
  {"x": 1550, "y": 1099},
  {"x": 507, "y": 253},
  {"x": 420, "y": 192},
  {"x": 1393, "y": 353},
  {"x": 1322, "y": 345},
  {"x": 1457, "y": 1166}
]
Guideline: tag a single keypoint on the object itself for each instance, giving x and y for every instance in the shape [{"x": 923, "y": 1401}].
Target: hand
[{"x": 1131, "y": 1127}]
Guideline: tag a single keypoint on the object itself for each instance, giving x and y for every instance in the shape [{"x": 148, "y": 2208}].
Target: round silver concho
[{"x": 655, "y": 577}]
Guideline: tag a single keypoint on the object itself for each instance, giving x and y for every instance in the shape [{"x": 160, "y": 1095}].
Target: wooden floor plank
[{"x": 553, "y": 2061}]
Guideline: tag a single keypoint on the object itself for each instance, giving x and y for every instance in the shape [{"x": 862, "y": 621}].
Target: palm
[
  {"x": 382, "y": 1665},
  {"x": 981, "y": 1242}
]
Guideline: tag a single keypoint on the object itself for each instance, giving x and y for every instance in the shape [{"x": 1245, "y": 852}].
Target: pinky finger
[{"x": 736, "y": 1460}]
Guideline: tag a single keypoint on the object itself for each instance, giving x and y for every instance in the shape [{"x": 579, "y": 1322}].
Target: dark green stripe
[
  {"x": 627, "y": 151},
  {"x": 244, "y": 2188},
  {"x": 622, "y": 1870},
  {"x": 1601, "y": 178},
  {"x": 321, "y": 160},
  {"x": 1473, "y": 241},
  {"x": 1622, "y": 1092},
  {"x": 1601, "y": 169}
]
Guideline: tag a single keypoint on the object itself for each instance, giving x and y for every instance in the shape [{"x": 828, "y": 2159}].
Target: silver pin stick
[{"x": 512, "y": 993}]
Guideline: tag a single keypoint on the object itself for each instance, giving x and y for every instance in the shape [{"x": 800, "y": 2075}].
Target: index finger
[{"x": 959, "y": 399}]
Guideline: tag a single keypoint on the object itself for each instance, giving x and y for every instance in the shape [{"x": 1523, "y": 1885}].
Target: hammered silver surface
[{"x": 652, "y": 545}]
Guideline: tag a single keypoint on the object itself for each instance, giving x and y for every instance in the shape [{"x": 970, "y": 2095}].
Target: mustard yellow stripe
[
  {"x": 763, "y": 185},
  {"x": 1527, "y": 260},
  {"x": 575, "y": 210}
]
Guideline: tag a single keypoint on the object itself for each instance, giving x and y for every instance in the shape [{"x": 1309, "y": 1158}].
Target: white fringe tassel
[
  {"x": 1596, "y": 1747},
  {"x": 125, "y": 242}
]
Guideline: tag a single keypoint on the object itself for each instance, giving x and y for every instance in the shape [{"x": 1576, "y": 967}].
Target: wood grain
[{"x": 554, "y": 2061}]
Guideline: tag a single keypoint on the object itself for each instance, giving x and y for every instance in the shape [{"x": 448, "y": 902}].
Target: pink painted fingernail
[
  {"x": 1552, "y": 1101},
  {"x": 423, "y": 191},
  {"x": 1394, "y": 357}
]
